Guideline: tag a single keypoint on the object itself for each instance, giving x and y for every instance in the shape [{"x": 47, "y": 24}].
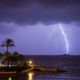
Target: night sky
[{"x": 34, "y": 25}]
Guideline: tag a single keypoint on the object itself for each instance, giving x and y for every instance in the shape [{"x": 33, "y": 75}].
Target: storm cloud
[
  {"x": 44, "y": 11},
  {"x": 34, "y": 25},
  {"x": 7, "y": 28}
]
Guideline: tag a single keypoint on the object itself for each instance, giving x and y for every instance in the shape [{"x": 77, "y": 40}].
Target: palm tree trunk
[
  {"x": 7, "y": 50},
  {"x": 7, "y": 55}
]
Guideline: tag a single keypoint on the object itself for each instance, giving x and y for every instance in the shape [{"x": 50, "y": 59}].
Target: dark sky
[{"x": 33, "y": 25}]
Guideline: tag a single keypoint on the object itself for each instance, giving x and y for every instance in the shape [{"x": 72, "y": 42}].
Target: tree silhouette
[
  {"x": 15, "y": 58},
  {"x": 18, "y": 58},
  {"x": 7, "y": 43},
  {"x": 6, "y": 59}
]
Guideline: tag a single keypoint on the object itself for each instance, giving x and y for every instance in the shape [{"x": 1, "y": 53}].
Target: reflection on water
[
  {"x": 9, "y": 78},
  {"x": 40, "y": 76},
  {"x": 27, "y": 76},
  {"x": 30, "y": 76}
]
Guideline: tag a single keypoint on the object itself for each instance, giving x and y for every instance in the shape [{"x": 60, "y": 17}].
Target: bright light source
[
  {"x": 30, "y": 62},
  {"x": 9, "y": 78},
  {"x": 56, "y": 28},
  {"x": 65, "y": 37},
  {"x": 30, "y": 76}
]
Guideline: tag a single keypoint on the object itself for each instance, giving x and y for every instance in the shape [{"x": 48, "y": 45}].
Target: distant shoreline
[
  {"x": 7, "y": 72},
  {"x": 53, "y": 55}
]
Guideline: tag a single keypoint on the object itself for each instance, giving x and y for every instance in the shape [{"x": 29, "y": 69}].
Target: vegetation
[
  {"x": 12, "y": 61},
  {"x": 7, "y": 43}
]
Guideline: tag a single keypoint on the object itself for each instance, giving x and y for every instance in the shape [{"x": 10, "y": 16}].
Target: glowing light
[
  {"x": 30, "y": 62},
  {"x": 9, "y": 78},
  {"x": 30, "y": 76},
  {"x": 56, "y": 28},
  {"x": 65, "y": 37},
  {"x": 53, "y": 29}
]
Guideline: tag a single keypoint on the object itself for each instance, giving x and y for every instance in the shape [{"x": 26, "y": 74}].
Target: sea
[{"x": 71, "y": 63}]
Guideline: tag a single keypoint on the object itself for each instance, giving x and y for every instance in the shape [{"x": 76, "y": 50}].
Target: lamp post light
[{"x": 30, "y": 62}]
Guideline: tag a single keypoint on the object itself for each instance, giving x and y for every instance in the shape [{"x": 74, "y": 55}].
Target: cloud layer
[
  {"x": 7, "y": 28},
  {"x": 34, "y": 11}
]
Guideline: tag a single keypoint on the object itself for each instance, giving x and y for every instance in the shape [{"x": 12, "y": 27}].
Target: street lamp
[{"x": 30, "y": 62}]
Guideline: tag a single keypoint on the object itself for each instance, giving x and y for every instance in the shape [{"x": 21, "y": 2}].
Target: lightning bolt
[
  {"x": 49, "y": 36},
  {"x": 63, "y": 33},
  {"x": 65, "y": 38}
]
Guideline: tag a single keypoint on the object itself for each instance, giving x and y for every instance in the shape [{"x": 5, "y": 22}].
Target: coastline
[{"x": 7, "y": 72}]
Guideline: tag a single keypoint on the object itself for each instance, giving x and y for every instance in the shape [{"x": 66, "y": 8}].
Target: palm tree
[{"x": 7, "y": 43}]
